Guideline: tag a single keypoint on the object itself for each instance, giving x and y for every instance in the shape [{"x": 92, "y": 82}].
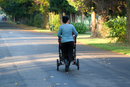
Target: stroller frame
[{"x": 62, "y": 61}]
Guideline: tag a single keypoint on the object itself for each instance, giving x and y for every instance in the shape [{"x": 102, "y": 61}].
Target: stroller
[{"x": 61, "y": 60}]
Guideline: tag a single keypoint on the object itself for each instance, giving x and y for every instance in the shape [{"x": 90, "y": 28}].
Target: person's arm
[
  {"x": 75, "y": 32},
  {"x": 59, "y": 32}
]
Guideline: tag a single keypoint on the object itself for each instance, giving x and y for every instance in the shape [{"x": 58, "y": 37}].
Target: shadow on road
[{"x": 5, "y": 25}]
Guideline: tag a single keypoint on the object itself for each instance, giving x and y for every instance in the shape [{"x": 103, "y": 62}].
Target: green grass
[
  {"x": 55, "y": 34},
  {"x": 104, "y": 43}
]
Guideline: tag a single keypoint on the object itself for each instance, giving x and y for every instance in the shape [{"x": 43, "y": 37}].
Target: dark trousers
[{"x": 67, "y": 50}]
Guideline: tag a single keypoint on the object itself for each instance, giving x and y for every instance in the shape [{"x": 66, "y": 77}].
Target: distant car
[{"x": 4, "y": 18}]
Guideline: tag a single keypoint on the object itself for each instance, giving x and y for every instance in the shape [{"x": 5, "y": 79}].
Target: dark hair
[{"x": 65, "y": 19}]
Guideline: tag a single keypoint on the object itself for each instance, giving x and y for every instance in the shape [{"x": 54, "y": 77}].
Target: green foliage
[
  {"x": 80, "y": 27},
  {"x": 14, "y": 8},
  {"x": 54, "y": 23},
  {"x": 0, "y": 11},
  {"x": 38, "y": 20},
  {"x": 30, "y": 22},
  {"x": 117, "y": 28},
  {"x": 60, "y": 6}
]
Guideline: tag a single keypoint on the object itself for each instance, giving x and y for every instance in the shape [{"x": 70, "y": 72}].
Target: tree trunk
[
  {"x": 13, "y": 18},
  {"x": 60, "y": 15},
  {"x": 82, "y": 17},
  {"x": 75, "y": 17},
  {"x": 128, "y": 22},
  {"x": 93, "y": 19},
  {"x": 101, "y": 20},
  {"x": 71, "y": 17},
  {"x": 45, "y": 20}
]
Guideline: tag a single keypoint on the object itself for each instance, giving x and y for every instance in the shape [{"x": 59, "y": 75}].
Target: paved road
[{"x": 28, "y": 59}]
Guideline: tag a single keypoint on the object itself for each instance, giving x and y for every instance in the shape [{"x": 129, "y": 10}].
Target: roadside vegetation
[
  {"x": 105, "y": 43},
  {"x": 111, "y": 43}
]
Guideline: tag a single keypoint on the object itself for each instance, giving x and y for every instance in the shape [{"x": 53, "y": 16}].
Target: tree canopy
[
  {"x": 61, "y": 6},
  {"x": 18, "y": 8}
]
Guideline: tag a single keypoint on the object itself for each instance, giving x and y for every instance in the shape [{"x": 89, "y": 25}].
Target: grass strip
[{"x": 104, "y": 43}]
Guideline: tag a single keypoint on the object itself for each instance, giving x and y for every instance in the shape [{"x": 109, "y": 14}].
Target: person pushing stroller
[{"x": 67, "y": 41}]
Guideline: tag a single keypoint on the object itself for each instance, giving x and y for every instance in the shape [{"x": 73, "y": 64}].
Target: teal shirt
[{"x": 66, "y": 31}]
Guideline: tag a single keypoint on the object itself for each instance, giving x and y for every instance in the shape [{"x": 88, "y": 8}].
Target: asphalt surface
[{"x": 28, "y": 59}]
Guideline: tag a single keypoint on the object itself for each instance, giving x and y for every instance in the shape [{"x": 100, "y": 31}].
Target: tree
[
  {"x": 60, "y": 7},
  {"x": 26, "y": 9},
  {"x": 93, "y": 19},
  {"x": 104, "y": 9},
  {"x": 17, "y": 9},
  {"x": 43, "y": 7},
  {"x": 128, "y": 22},
  {"x": 91, "y": 7},
  {"x": 79, "y": 6}
]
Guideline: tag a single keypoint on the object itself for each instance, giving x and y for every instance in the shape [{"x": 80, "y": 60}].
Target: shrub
[
  {"x": 30, "y": 22},
  {"x": 38, "y": 20},
  {"x": 80, "y": 27},
  {"x": 54, "y": 22},
  {"x": 117, "y": 28}
]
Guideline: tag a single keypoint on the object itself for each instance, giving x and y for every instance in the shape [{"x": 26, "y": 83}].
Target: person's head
[{"x": 65, "y": 19}]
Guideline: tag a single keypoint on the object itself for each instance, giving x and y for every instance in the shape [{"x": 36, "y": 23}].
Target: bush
[
  {"x": 117, "y": 28},
  {"x": 38, "y": 20},
  {"x": 30, "y": 22},
  {"x": 80, "y": 27},
  {"x": 54, "y": 22}
]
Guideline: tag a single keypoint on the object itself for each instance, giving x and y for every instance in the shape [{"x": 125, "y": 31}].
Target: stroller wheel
[
  {"x": 58, "y": 64},
  {"x": 77, "y": 64}
]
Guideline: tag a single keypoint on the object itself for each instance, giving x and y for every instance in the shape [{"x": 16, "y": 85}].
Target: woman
[{"x": 67, "y": 41}]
